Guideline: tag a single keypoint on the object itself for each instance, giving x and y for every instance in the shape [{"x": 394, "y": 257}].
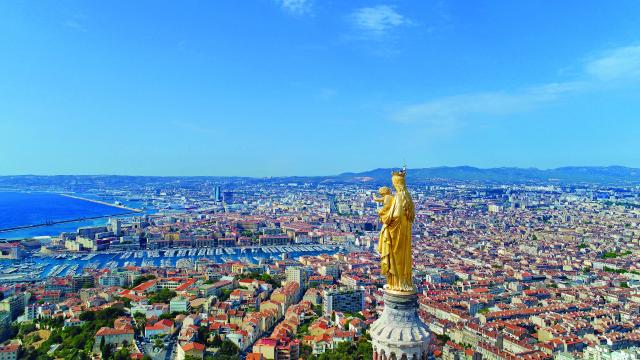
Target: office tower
[
  {"x": 217, "y": 194},
  {"x": 343, "y": 300}
]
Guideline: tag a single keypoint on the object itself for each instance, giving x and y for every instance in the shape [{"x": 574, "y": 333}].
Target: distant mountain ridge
[
  {"x": 569, "y": 174},
  {"x": 605, "y": 175}
]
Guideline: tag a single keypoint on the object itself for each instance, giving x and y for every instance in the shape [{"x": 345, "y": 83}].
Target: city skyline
[{"x": 279, "y": 88}]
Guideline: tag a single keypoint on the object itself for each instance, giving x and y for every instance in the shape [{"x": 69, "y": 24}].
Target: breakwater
[
  {"x": 102, "y": 203},
  {"x": 48, "y": 223}
]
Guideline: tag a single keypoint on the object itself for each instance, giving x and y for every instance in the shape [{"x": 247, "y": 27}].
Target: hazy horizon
[{"x": 332, "y": 174}]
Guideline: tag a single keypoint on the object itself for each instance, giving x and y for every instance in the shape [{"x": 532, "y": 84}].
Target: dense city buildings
[{"x": 260, "y": 270}]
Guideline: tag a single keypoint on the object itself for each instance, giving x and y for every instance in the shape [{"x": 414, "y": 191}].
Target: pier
[
  {"x": 48, "y": 223},
  {"x": 102, "y": 203}
]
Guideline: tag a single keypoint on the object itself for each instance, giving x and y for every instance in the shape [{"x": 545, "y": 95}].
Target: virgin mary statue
[{"x": 394, "y": 245}]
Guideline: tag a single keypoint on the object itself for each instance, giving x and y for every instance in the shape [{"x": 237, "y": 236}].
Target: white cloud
[
  {"x": 451, "y": 108},
  {"x": 378, "y": 21},
  {"x": 295, "y": 7},
  {"x": 612, "y": 69},
  {"x": 76, "y": 25},
  {"x": 618, "y": 64}
]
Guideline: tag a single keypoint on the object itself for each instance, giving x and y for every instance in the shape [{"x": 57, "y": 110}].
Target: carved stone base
[{"x": 399, "y": 334}]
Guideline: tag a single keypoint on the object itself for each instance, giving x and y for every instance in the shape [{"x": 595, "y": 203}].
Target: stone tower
[{"x": 399, "y": 334}]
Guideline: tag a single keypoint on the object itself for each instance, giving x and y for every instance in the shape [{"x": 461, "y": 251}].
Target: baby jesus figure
[
  {"x": 385, "y": 198},
  {"x": 384, "y": 243}
]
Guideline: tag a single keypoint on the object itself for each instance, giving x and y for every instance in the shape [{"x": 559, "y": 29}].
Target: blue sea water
[{"x": 30, "y": 208}]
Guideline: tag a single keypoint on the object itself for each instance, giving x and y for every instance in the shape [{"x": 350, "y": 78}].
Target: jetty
[
  {"x": 49, "y": 223},
  {"x": 128, "y": 211},
  {"x": 102, "y": 203}
]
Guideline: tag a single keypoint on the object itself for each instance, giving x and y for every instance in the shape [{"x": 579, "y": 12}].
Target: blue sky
[{"x": 294, "y": 87}]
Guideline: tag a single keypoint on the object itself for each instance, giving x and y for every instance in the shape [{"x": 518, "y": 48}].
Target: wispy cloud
[
  {"x": 618, "y": 64},
  {"x": 609, "y": 69},
  {"x": 377, "y": 22},
  {"x": 295, "y": 7},
  {"x": 75, "y": 25},
  {"x": 452, "y": 108}
]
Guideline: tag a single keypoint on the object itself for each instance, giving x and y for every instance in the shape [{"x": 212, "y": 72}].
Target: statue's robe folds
[{"x": 394, "y": 245}]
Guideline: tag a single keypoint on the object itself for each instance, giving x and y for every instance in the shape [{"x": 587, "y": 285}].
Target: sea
[{"x": 33, "y": 208}]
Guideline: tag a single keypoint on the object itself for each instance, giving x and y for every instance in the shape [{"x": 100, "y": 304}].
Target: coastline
[
  {"x": 64, "y": 221},
  {"x": 30, "y": 230}
]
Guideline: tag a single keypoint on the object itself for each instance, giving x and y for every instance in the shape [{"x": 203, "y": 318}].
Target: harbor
[{"x": 68, "y": 264}]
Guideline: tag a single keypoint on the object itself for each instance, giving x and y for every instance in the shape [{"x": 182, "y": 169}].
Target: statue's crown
[{"x": 400, "y": 173}]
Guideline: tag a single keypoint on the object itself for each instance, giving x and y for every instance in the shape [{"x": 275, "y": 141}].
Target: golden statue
[{"x": 396, "y": 215}]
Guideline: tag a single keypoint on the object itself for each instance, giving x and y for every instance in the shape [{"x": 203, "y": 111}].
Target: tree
[
  {"x": 228, "y": 348},
  {"x": 305, "y": 351},
  {"x": 224, "y": 294},
  {"x": 359, "y": 350},
  {"x": 106, "y": 351},
  {"x": 158, "y": 344},
  {"x": 162, "y": 296},
  {"x": 217, "y": 341},
  {"x": 203, "y": 334},
  {"x": 87, "y": 316},
  {"x": 126, "y": 301},
  {"x": 26, "y": 328},
  {"x": 443, "y": 338},
  {"x": 172, "y": 315},
  {"x": 355, "y": 315},
  {"x": 122, "y": 354},
  {"x": 140, "y": 319}
]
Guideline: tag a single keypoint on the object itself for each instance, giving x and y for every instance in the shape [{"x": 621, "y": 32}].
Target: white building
[{"x": 179, "y": 304}]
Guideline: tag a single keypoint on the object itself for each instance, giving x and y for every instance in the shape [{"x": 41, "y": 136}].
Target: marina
[{"x": 43, "y": 266}]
